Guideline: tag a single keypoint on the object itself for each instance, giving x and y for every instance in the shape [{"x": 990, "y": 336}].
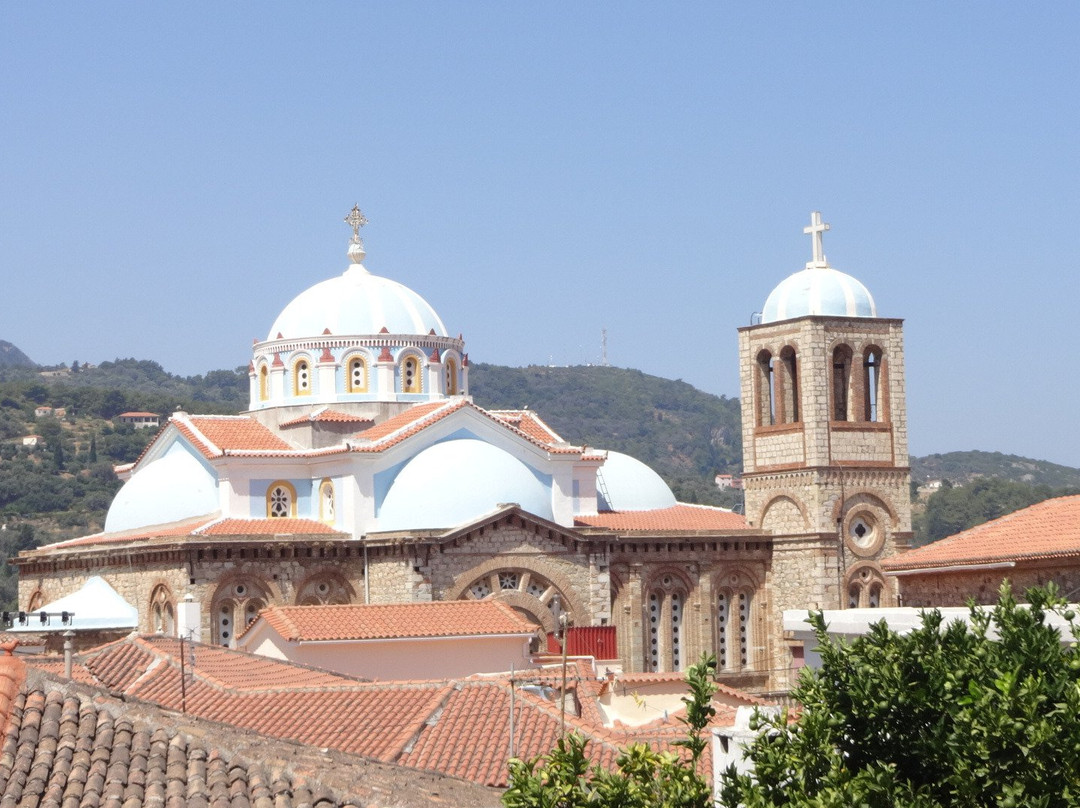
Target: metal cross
[
  {"x": 356, "y": 220},
  {"x": 815, "y": 231}
]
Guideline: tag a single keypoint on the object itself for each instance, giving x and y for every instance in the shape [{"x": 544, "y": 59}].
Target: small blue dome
[
  {"x": 624, "y": 483},
  {"x": 818, "y": 290},
  {"x": 172, "y": 488},
  {"x": 456, "y": 481}
]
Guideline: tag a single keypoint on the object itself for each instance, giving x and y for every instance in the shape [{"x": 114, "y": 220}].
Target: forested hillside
[{"x": 686, "y": 435}]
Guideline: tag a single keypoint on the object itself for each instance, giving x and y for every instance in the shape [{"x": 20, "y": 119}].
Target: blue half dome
[
  {"x": 624, "y": 483},
  {"x": 172, "y": 488},
  {"x": 818, "y": 291}
]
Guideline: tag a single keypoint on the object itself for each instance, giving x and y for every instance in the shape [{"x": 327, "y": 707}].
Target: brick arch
[
  {"x": 863, "y": 575},
  {"x": 272, "y": 589},
  {"x": 341, "y": 589},
  {"x": 652, "y": 581},
  {"x": 36, "y": 600},
  {"x": 542, "y": 567},
  {"x": 864, "y": 496},
  {"x": 787, "y": 501},
  {"x": 746, "y": 577},
  {"x": 533, "y": 607}
]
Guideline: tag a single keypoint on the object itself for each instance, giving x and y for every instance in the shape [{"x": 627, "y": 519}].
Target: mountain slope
[{"x": 12, "y": 357}]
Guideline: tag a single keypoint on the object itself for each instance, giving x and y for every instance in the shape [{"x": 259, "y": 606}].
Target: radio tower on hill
[{"x": 603, "y": 348}]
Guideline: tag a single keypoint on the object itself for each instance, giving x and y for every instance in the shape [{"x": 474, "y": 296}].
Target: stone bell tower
[{"x": 825, "y": 457}]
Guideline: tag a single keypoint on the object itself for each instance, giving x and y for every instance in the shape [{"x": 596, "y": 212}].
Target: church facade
[{"x": 363, "y": 473}]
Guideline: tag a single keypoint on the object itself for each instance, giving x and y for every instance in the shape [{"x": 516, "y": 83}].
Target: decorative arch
[
  {"x": 36, "y": 601},
  {"x": 302, "y": 377},
  {"x": 280, "y": 500},
  {"x": 530, "y": 588},
  {"x": 327, "y": 501},
  {"x": 840, "y": 388},
  {"x": 735, "y": 592},
  {"x": 784, "y": 513},
  {"x": 162, "y": 610},
  {"x": 236, "y": 602},
  {"x": 356, "y": 373},
  {"x": 325, "y": 587},
  {"x": 666, "y": 594},
  {"x": 410, "y": 372},
  {"x": 865, "y": 587}
]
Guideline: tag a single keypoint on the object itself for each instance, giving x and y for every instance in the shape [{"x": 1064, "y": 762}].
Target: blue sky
[{"x": 171, "y": 175}]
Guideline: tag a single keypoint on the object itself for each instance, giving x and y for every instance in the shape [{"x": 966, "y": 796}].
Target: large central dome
[{"x": 356, "y": 303}]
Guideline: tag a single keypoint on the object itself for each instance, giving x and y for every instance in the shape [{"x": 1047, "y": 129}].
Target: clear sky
[{"x": 172, "y": 174}]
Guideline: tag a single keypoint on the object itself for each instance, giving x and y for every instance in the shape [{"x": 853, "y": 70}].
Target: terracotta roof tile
[
  {"x": 529, "y": 423},
  {"x": 404, "y": 421},
  {"x": 267, "y": 527},
  {"x": 1050, "y": 529},
  {"x": 227, "y": 433},
  {"x": 452, "y": 618},
  {"x": 680, "y": 517},
  {"x": 327, "y": 416}
]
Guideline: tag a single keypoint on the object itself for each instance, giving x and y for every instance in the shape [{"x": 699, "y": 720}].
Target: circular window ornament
[{"x": 864, "y": 536}]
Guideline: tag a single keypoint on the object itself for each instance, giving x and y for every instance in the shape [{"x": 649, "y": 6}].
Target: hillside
[
  {"x": 686, "y": 435},
  {"x": 961, "y": 468},
  {"x": 12, "y": 357}
]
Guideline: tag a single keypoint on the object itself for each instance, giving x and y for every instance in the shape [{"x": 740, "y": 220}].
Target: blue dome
[
  {"x": 172, "y": 488},
  {"x": 456, "y": 481},
  {"x": 356, "y": 303},
  {"x": 818, "y": 290},
  {"x": 630, "y": 485}
]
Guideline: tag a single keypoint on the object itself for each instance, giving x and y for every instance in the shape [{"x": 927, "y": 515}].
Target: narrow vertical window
[
  {"x": 874, "y": 600},
  {"x": 744, "y": 629},
  {"x": 654, "y": 631},
  {"x": 264, "y": 383},
  {"x": 723, "y": 619},
  {"x": 357, "y": 382},
  {"x": 841, "y": 381},
  {"x": 301, "y": 378},
  {"x": 410, "y": 375},
  {"x": 326, "y": 502},
  {"x": 676, "y": 631},
  {"x": 872, "y": 385},
  {"x": 451, "y": 378},
  {"x": 788, "y": 384},
  {"x": 766, "y": 404}
]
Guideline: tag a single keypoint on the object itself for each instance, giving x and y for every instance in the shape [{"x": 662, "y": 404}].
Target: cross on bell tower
[
  {"x": 356, "y": 219},
  {"x": 816, "y": 230}
]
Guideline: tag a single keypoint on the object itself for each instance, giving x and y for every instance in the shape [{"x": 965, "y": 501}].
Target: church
[{"x": 363, "y": 473}]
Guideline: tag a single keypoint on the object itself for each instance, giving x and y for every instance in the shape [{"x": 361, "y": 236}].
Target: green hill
[
  {"x": 961, "y": 468},
  {"x": 12, "y": 357}
]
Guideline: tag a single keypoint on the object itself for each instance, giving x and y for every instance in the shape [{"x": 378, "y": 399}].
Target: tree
[
  {"x": 948, "y": 715},
  {"x": 643, "y": 778}
]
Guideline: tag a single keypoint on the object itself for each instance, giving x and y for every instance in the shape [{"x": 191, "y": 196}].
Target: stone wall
[{"x": 982, "y": 586}]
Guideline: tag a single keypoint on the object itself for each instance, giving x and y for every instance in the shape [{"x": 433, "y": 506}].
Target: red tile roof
[
  {"x": 529, "y": 423},
  {"x": 452, "y": 618},
  {"x": 267, "y": 527},
  {"x": 679, "y": 517},
  {"x": 228, "y": 432},
  {"x": 408, "y": 423},
  {"x": 458, "y": 727},
  {"x": 1050, "y": 529},
  {"x": 327, "y": 417}
]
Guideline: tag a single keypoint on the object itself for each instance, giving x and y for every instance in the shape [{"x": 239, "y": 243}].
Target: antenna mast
[{"x": 603, "y": 348}]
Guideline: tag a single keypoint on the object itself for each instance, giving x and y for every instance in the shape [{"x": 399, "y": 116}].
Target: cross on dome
[
  {"x": 816, "y": 230},
  {"x": 356, "y": 220}
]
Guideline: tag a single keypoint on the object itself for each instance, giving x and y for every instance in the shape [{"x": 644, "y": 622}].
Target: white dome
[
  {"x": 630, "y": 485},
  {"x": 172, "y": 488},
  {"x": 356, "y": 303},
  {"x": 456, "y": 481},
  {"x": 818, "y": 290}
]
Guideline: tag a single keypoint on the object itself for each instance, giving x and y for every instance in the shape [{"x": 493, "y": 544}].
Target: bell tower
[{"x": 825, "y": 457}]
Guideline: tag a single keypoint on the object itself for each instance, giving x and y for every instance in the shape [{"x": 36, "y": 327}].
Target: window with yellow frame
[
  {"x": 410, "y": 374},
  {"x": 301, "y": 377},
  {"x": 280, "y": 500},
  {"x": 357, "y": 381}
]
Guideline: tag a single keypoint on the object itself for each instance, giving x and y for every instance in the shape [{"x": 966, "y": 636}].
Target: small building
[
  {"x": 32, "y": 440},
  {"x": 728, "y": 481},
  {"x": 140, "y": 420},
  {"x": 1029, "y": 547},
  {"x": 442, "y": 640},
  {"x": 42, "y": 411}
]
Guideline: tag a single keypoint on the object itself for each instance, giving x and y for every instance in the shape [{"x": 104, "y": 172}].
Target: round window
[{"x": 863, "y": 533}]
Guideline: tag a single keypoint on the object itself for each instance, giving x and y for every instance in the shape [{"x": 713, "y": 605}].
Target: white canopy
[{"x": 95, "y": 606}]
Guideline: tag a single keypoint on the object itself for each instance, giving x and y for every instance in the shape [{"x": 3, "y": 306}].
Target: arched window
[
  {"x": 358, "y": 378},
  {"x": 766, "y": 402},
  {"x": 866, "y": 587},
  {"x": 451, "y": 378},
  {"x": 787, "y": 387},
  {"x": 872, "y": 400},
  {"x": 734, "y": 623},
  {"x": 301, "y": 377},
  {"x": 325, "y": 589},
  {"x": 327, "y": 511},
  {"x": 664, "y": 641},
  {"x": 37, "y": 599},
  {"x": 264, "y": 383},
  {"x": 524, "y": 590},
  {"x": 841, "y": 382},
  {"x": 236, "y": 604},
  {"x": 162, "y": 611},
  {"x": 410, "y": 374},
  {"x": 280, "y": 500}
]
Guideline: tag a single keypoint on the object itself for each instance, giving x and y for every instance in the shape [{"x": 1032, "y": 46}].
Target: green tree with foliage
[
  {"x": 643, "y": 777},
  {"x": 948, "y": 715}
]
